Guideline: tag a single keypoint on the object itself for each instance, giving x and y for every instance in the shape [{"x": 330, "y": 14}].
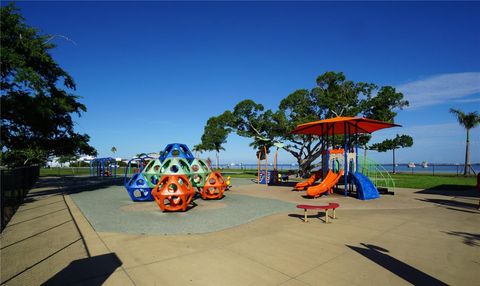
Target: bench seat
[{"x": 330, "y": 206}]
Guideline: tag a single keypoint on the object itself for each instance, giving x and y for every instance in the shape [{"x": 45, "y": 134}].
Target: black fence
[{"x": 15, "y": 184}]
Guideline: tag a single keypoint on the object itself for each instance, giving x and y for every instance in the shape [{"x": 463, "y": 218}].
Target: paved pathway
[{"x": 42, "y": 242}]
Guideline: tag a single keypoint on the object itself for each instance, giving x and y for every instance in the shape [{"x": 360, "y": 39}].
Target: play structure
[
  {"x": 341, "y": 165},
  {"x": 134, "y": 180},
  {"x": 171, "y": 179},
  {"x": 173, "y": 193},
  {"x": 264, "y": 175},
  {"x": 103, "y": 167},
  {"x": 301, "y": 186}
]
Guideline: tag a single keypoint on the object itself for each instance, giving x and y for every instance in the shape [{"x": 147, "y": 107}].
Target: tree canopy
[
  {"x": 332, "y": 96},
  {"x": 37, "y": 103},
  {"x": 400, "y": 141},
  {"x": 214, "y": 136}
]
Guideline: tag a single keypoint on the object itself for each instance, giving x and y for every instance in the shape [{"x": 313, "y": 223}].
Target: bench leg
[
  {"x": 326, "y": 216},
  {"x": 305, "y": 215},
  {"x": 334, "y": 214}
]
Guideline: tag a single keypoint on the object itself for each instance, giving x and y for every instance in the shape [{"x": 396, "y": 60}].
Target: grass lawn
[
  {"x": 424, "y": 181},
  {"x": 415, "y": 181},
  {"x": 82, "y": 171}
]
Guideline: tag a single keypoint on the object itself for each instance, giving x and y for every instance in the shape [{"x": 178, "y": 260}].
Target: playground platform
[{"x": 415, "y": 237}]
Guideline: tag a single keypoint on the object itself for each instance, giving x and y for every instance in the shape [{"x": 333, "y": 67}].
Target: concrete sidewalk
[
  {"x": 42, "y": 242},
  {"x": 426, "y": 244}
]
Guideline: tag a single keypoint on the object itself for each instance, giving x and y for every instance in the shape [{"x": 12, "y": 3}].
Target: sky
[{"x": 152, "y": 73}]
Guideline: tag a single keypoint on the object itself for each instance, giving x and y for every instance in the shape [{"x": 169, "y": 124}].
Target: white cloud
[{"x": 442, "y": 88}]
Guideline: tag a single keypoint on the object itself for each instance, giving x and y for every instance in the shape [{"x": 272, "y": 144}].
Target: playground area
[
  {"x": 254, "y": 235},
  {"x": 174, "y": 220}
]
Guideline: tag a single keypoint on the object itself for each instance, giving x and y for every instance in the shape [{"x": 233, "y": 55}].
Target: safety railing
[
  {"x": 376, "y": 172},
  {"x": 15, "y": 184}
]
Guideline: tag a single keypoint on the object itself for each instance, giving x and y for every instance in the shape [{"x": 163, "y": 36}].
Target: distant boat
[
  {"x": 411, "y": 165},
  {"x": 424, "y": 164}
]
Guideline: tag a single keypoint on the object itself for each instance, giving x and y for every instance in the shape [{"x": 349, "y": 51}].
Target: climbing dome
[
  {"x": 138, "y": 188},
  {"x": 170, "y": 166},
  {"x": 176, "y": 166},
  {"x": 135, "y": 182},
  {"x": 171, "y": 179},
  {"x": 200, "y": 172},
  {"x": 173, "y": 193},
  {"x": 152, "y": 172},
  {"x": 214, "y": 187},
  {"x": 176, "y": 150}
]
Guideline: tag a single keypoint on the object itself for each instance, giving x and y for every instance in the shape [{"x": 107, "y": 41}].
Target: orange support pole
[
  {"x": 258, "y": 169},
  {"x": 275, "y": 160},
  {"x": 266, "y": 165}
]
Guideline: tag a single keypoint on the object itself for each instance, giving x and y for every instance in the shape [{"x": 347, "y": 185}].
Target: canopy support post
[
  {"x": 345, "y": 158},
  {"x": 356, "y": 147},
  {"x": 266, "y": 165}
]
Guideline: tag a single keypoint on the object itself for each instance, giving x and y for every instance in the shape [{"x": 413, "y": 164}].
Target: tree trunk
[
  {"x": 217, "y": 159},
  {"x": 394, "y": 161},
  {"x": 466, "y": 169},
  {"x": 305, "y": 156},
  {"x": 305, "y": 165}
]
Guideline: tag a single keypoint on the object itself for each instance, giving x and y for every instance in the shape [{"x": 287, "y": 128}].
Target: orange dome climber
[
  {"x": 214, "y": 187},
  {"x": 173, "y": 193}
]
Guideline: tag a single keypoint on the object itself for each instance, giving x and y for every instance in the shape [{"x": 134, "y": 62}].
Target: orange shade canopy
[{"x": 342, "y": 125}]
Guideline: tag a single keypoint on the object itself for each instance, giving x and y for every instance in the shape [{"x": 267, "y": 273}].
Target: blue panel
[
  {"x": 102, "y": 164},
  {"x": 366, "y": 190}
]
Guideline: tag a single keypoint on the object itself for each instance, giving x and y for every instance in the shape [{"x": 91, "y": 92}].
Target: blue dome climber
[
  {"x": 138, "y": 188},
  {"x": 176, "y": 150}
]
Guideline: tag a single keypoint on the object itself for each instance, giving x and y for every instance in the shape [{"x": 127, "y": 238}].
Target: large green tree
[
  {"x": 468, "y": 121},
  {"x": 332, "y": 96},
  {"x": 214, "y": 136},
  {"x": 400, "y": 141},
  {"x": 37, "y": 103}
]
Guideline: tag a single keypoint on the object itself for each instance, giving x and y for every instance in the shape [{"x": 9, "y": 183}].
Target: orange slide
[
  {"x": 305, "y": 184},
  {"x": 326, "y": 185}
]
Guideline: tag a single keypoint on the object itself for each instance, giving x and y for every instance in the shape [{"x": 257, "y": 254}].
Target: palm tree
[
  {"x": 114, "y": 150},
  {"x": 468, "y": 121},
  {"x": 198, "y": 149}
]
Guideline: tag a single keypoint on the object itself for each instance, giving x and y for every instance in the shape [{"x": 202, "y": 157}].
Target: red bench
[{"x": 330, "y": 206}]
